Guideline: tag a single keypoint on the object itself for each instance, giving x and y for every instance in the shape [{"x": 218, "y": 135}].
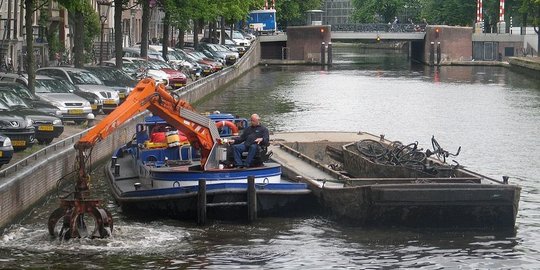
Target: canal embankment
[{"x": 26, "y": 182}]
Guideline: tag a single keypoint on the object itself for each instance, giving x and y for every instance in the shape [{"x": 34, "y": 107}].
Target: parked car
[
  {"x": 34, "y": 101},
  {"x": 116, "y": 79},
  {"x": 87, "y": 82},
  {"x": 47, "y": 126},
  {"x": 136, "y": 52},
  {"x": 6, "y": 149},
  {"x": 141, "y": 69},
  {"x": 229, "y": 43},
  {"x": 17, "y": 127},
  {"x": 72, "y": 107},
  {"x": 219, "y": 51},
  {"x": 177, "y": 79},
  {"x": 95, "y": 102},
  {"x": 211, "y": 65}
]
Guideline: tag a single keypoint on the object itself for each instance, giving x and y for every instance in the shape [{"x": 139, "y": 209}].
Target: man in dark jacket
[{"x": 250, "y": 140}]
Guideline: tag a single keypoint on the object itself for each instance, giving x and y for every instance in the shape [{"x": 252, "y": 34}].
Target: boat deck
[{"x": 302, "y": 166}]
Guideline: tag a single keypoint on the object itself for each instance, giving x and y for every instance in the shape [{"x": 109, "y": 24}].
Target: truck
[{"x": 263, "y": 21}]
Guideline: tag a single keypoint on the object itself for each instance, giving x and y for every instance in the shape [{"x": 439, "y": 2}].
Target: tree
[
  {"x": 145, "y": 26},
  {"x": 451, "y": 12},
  {"x": 292, "y": 12},
  {"x": 86, "y": 27},
  {"x": 531, "y": 9},
  {"x": 369, "y": 10},
  {"x": 30, "y": 59}
]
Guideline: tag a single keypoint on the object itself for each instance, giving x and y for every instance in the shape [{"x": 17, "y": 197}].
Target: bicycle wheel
[{"x": 371, "y": 148}]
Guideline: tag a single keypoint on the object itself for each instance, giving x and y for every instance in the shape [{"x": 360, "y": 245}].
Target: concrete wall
[
  {"x": 455, "y": 42},
  {"x": 304, "y": 42},
  {"x": 25, "y": 183}
]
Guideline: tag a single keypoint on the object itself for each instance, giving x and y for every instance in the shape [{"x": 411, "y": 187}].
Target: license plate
[
  {"x": 75, "y": 111},
  {"x": 121, "y": 95},
  {"x": 18, "y": 143},
  {"x": 206, "y": 70},
  {"x": 94, "y": 106},
  {"x": 46, "y": 128},
  {"x": 178, "y": 84},
  {"x": 109, "y": 101}
]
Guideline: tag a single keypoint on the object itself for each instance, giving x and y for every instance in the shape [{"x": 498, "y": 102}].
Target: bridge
[
  {"x": 373, "y": 31},
  {"x": 368, "y": 32}
]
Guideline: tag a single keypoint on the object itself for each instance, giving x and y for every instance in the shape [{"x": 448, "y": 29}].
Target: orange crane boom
[{"x": 200, "y": 132}]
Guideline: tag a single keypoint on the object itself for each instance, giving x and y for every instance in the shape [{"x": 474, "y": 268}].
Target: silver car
[
  {"x": 72, "y": 107},
  {"x": 87, "y": 82}
]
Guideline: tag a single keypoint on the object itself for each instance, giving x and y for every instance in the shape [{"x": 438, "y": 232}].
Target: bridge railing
[{"x": 379, "y": 27}]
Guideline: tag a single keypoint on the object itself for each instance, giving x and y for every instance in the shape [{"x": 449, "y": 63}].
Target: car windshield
[
  {"x": 20, "y": 90},
  {"x": 50, "y": 86},
  {"x": 158, "y": 64},
  {"x": 83, "y": 77},
  {"x": 12, "y": 100},
  {"x": 172, "y": 55},
  {"x": 109, "y": 74},
  {"x": 130, "y": 68},
  {"x": 237, "y": 35},
  {"x": 3, "y": 106}
]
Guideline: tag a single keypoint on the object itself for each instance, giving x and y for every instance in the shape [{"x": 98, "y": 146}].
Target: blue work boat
[{"x": 159, "y": 172}]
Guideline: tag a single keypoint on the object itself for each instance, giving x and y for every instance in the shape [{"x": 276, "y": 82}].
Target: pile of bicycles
[{"x": 407, "y": 155}]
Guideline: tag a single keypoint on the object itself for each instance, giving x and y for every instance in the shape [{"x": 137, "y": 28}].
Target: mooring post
[
  {"x": 438, "y": 53},
  {"x": 251, "y": 199},
  {"x": 431, "y": 53},
  {"x": 330, "y": 53},
  {"x": 323, "y": 58},
  {"x": 117, "y": 170},
  {"x": 201, "y": 203},
  {"x": 113, "y": 161}
]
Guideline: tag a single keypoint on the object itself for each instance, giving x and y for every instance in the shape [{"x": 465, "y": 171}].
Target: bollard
[
  {"x": 323, "y": 60},
  {"x": 251, "y": 199},
  {"x": 431, "y": 53},
  {"x": 137, "y": 185},
  {"x": 117, "y": 169},
  {"x": 438, "y": 53},
  {"x": 505, "y": 179},
  {"x": 113, "y": 161},
  {"x": 201, "y": 203},
  {"x": 330, "y": 53}
]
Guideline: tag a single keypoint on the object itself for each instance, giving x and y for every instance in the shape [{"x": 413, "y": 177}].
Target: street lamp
[{"x": 104, "y": 6}]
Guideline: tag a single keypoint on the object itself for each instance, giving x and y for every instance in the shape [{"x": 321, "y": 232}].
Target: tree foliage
[
  {"x": 450, "y": 12},
  {"x": 293, "y": 12},
  {"x": 86, "y": 27},
  {"x": 369, "y": 11}
]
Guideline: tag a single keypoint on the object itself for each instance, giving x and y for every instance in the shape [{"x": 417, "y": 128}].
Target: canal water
[{"x": 493, "y": 113}]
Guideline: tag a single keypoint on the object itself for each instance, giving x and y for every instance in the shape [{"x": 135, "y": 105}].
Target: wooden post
[
  {"x": 251, "y": 199},
  {"x": 201, "y": 203}
]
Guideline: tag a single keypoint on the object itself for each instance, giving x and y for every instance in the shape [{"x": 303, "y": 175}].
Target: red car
[{"x": 177, "y": 79}]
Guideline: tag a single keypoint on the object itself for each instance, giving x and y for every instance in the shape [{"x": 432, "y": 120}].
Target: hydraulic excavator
[{"x": 77, "y": 208}]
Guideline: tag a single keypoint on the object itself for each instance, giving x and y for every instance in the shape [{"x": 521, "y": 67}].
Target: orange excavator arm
[{"x": 200, "y": 131}]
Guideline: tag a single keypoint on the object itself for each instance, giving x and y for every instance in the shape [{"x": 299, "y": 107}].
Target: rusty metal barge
[{"x": 357, "y": 189}]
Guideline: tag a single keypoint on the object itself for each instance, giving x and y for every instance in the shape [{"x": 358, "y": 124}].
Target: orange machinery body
[{"x": 149, "y": 96}]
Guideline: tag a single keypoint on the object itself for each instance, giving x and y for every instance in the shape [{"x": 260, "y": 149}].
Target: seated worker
[{"x": 249, "y": 141}]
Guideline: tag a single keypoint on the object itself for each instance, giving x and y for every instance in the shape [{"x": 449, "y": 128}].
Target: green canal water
[{"x": 492, "y": 113}]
